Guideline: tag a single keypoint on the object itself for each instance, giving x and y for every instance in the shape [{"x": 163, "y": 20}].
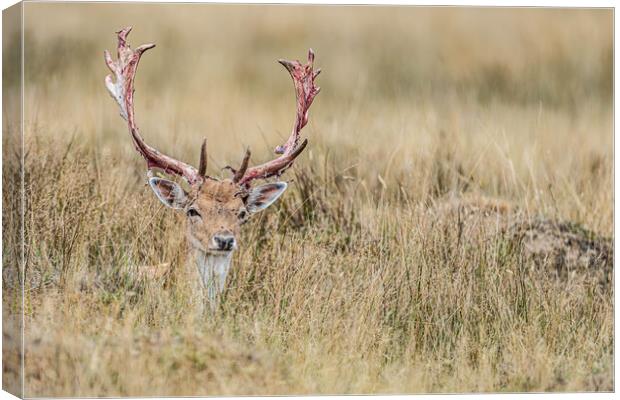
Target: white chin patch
[
  {"x": 218, "y": 253},
  {"x": 213, "y": 268}
]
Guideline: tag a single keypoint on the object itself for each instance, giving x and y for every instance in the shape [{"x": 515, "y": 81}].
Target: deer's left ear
[{"x": 263, "y": 196}]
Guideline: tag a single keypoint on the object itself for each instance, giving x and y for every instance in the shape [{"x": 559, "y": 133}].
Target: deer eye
[
  {"x": 242, "y": 214},
  {"x": 192, "y": 212}
]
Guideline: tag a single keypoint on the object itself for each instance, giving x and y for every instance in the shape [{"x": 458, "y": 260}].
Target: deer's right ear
[{"x": 170, "y": 193}]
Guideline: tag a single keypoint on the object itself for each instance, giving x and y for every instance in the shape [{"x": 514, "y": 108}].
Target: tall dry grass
[{"x": 351, "y": 284}]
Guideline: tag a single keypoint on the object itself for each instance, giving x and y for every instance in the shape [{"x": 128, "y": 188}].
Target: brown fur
[{"x": 219, "y": 205}]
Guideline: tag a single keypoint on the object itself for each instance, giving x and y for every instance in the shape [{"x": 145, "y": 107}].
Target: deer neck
[{"x": 212, "y": 271}]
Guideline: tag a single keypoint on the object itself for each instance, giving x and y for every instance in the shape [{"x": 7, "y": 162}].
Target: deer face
[{"x": 216, "y": 210}]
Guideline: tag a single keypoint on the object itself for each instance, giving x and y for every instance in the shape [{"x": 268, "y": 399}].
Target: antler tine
[
  {"x": 305, "y": 91},
  {"x": 202, "y": 166},
  {"x": 124, "y": 70},
  {"x": 244, "y": 166}
]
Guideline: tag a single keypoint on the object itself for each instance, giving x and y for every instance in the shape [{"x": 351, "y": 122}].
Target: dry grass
[{"x": 351, "y": 284}]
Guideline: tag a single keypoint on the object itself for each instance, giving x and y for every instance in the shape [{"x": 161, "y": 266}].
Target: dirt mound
[{"x": 566, "y": 248}]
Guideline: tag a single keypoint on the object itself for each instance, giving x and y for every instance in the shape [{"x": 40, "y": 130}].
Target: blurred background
[{"x": 531, "y": 82}]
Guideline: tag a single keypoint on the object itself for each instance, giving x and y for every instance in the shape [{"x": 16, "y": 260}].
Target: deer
[{"x": 215, "y": 208}]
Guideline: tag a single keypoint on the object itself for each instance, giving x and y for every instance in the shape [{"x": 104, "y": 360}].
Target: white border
[{"x": 435, "y": 3}]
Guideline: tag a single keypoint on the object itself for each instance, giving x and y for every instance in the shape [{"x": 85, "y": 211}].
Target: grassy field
[{"x": 353, "y": 282}]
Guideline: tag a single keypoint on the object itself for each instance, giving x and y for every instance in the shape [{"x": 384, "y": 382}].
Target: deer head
[{"x": 215, "y": 208}]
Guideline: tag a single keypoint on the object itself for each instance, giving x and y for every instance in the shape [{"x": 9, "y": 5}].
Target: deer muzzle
[{"x": 223, "y": 241}]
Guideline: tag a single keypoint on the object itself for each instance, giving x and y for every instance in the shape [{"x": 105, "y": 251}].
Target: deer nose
[{"x": 224, "y": 241}]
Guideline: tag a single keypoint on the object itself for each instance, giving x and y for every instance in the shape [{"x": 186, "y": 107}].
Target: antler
[
  {"x": 303, "y": 79},
  {"x": 124, "y": 69}
]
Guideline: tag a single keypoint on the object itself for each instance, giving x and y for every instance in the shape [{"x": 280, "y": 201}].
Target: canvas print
[{"x": 229, "y": 199}]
